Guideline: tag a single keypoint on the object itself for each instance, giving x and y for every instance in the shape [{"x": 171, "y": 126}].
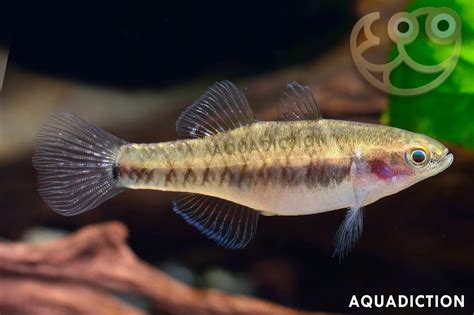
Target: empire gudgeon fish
[{"x": 230, "y": 168}]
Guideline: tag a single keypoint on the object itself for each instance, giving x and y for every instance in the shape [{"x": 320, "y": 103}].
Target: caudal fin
[{"x": 76, "y": 164}]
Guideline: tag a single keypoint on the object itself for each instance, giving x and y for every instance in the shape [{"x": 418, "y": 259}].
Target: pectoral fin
[
  {"x": 349, "y": 232},
  {"x": 351, "y": 229}
]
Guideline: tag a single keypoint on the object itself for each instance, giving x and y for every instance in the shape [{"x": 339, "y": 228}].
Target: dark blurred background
[
  {"x": 132, "y": 67},
  {"x": 150, "y": 44}
]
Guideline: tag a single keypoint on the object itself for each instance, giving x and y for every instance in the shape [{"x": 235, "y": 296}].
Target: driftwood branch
[{"x": 77, "y": 274}]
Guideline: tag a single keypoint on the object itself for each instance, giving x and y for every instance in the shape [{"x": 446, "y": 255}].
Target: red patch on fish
[{"x": 385, "y": 171}]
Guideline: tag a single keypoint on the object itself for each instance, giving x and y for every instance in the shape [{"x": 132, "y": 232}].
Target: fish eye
[{"x": 417, "y": 157}]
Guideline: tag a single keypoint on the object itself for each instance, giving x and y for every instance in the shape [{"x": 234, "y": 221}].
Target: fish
[{"x": 228, "y": 168}]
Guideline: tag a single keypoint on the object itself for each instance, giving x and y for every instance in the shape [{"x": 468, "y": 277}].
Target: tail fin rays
[{"x": 75, "y": 162}]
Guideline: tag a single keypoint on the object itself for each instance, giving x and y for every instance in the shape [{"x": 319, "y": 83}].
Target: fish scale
[{"x": 291, "y": 162}]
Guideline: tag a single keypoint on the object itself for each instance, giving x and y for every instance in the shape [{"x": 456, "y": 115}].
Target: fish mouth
[{"x": 447, "y": 160}]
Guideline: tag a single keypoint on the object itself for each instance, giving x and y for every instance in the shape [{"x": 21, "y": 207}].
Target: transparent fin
[
  {"x": 75, "y": 163},
  {"x": 351, "y": 229},
  {"x": 297, "y": 103},
  {"x": 222, "y": 107},
  {"x": 229, "y": 224},
  {"x": 349, "y": 232}
]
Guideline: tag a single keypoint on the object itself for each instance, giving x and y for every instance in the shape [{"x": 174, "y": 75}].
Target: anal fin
[{"x": 229, "y": 224}]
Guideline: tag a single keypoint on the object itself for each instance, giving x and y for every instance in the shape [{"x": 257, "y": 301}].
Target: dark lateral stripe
[
  {"x": 206, "y": 176},
  {"x": 311, "y": 175},
  {"x": 189, "y": 177},
  {"x": 171, "y": 177},
  {"x": 136, "y": 174},
  {"x": 323, "y": 174},
  {"x": 228, "y": 174},
  {"x": 242, "y": 175}
]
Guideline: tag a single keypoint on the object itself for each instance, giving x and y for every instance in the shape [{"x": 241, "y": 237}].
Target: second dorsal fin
[
  {"x": 221, "y": 108},
  {"x": 297, "y": 103}
]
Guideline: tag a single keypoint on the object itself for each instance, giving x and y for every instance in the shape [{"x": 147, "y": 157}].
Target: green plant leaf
[{"x": 447, "y": 112}]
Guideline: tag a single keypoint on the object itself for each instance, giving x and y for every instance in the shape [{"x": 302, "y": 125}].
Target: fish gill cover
[{"x": 446, "y": 112}]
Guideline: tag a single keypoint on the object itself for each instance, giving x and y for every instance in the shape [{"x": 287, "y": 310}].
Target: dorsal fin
[
  {"x": 297, "y": 103},
  {"x": 229, "y": 224},
  {"x": 221, "y": 108}
]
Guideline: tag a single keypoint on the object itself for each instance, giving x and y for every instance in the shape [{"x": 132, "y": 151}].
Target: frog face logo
[{"x": 442, "y": 26}]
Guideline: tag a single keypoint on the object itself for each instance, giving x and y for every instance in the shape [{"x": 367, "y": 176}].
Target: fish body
[
  {"x": 276, "y": 167},
  {"x": 233, "y": 167}
]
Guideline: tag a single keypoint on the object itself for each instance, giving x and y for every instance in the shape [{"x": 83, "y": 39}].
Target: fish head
[
  {"x": 407, "y": 160},
  {"x": 426, "y": 157}
]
